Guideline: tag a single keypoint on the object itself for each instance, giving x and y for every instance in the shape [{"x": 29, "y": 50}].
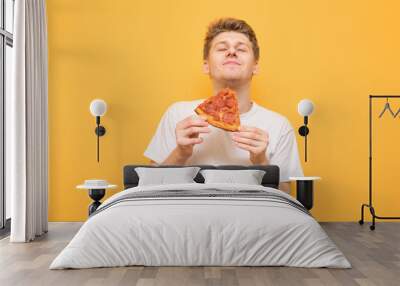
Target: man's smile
[{"x": 230, "y": 62}]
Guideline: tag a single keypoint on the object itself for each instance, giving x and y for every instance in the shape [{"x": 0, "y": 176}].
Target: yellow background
[{"x": 141, "y": 56}]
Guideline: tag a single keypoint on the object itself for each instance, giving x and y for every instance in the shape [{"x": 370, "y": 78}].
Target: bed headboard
[{"x": 270, "y": 179}]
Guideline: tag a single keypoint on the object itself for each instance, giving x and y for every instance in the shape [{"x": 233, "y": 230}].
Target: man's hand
[
  {"x": 187, "y": 133},
  {"x": 253, "y": 140}
]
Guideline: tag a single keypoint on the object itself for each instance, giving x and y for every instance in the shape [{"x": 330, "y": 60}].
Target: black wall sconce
[
  {"x": 98, "y": 108},
  {"x": 305, "y": 108}
]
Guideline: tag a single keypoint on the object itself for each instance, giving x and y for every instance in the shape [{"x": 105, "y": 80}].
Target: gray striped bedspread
[{"x": 201, "y": 225}]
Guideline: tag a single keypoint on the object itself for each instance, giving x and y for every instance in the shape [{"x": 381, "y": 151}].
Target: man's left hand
[{"x": 255, "y": 141}]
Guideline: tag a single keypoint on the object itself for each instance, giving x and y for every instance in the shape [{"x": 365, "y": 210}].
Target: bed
[{"x": 201, "y": 224}]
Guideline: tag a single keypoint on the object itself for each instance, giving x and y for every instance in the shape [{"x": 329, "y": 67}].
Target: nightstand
[
  {"x": 97, "y": 190},
  {"x": 304, "y": 190}
]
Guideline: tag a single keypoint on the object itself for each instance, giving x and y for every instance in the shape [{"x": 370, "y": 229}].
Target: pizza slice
[{"x": 221, "y": 110}]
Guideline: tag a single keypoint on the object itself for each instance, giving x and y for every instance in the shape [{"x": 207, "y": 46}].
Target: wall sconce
[
  {"x": 98, "y": 107},
  {"x": 305, "y": 108}
]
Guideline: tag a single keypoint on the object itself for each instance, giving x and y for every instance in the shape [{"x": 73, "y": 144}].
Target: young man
[{"x": 231, "y": 55}]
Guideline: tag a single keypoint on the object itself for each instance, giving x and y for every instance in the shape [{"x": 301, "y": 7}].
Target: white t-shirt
[{"x": 218, "y": 148}]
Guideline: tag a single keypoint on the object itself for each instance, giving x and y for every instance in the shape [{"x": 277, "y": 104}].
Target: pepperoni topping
[
  {"x": 229, "y": 117},
  {"x": 219, "y": 102},
  {"x": 209, "y": 108},
  {"x": 230, "y": 102},
  {"x": 222, "y": 108},
  {"x": 226, "y": 109}
]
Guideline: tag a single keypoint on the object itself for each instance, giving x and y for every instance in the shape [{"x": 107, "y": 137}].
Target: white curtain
[{"x": 26, "y": 123}]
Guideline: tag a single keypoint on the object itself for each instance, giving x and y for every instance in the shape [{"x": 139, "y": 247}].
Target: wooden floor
[{"x": 375, "y": 256}]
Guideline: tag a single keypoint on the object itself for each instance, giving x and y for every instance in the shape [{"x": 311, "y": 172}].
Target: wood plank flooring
[{"x": 375, "y": 257}]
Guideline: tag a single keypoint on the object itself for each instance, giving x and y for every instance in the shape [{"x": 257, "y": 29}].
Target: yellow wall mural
[{"x": 142, "y": 56}]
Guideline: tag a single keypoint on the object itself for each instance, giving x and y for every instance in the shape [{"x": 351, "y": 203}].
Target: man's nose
[{"x": 231, "y": 52}]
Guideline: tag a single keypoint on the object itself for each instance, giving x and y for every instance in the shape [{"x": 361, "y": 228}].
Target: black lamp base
[
  {"x": 96, "y": 195},
  {"x": 304, "y": 193}
]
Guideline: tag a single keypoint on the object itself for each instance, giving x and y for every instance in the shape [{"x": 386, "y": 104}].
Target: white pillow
[
  {"x": 249, "y": 177},
  {"x": 162, "y": 176}
]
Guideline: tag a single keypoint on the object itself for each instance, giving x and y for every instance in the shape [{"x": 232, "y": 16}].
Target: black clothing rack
[{"x": 369, "y": 205}]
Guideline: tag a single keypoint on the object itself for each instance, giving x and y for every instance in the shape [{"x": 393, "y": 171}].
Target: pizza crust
[{"x": 217, "y": 123}]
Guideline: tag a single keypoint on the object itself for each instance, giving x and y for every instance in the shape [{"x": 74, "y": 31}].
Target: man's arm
[
  {"x": 254, "y": 140},
  {"x": 285, "y": 187},
  {"x": 175, "y": 158},
  {"x": 187, "y": 134}
]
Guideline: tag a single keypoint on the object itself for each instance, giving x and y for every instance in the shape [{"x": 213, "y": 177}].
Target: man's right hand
[{"x": 187, "y": 133}]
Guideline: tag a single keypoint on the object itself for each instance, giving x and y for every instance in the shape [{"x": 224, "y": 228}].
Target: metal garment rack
[{"x": 370, "y": 205}]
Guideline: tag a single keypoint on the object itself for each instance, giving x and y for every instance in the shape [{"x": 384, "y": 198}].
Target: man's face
[{"x": 231, "y": 58}]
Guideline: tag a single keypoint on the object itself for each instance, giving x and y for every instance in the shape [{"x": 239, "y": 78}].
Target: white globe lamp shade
[
  {"x": 98, "y": 107},
  {"x": 305, "y": 107}
]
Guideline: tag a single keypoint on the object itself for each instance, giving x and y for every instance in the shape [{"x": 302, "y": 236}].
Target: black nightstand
[
  {"x": 305, "y": 190},
  {"x": 96, "y": 193}
]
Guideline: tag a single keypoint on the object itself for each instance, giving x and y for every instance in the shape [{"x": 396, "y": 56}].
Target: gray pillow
[
  {"x": 249, "y": 177},
  {"x": 162, "y": 176}
]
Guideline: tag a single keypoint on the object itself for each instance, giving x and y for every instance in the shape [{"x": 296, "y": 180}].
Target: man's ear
[
  {"x": 255, "y": 69},
  {"x": 206, "y": 68}
]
